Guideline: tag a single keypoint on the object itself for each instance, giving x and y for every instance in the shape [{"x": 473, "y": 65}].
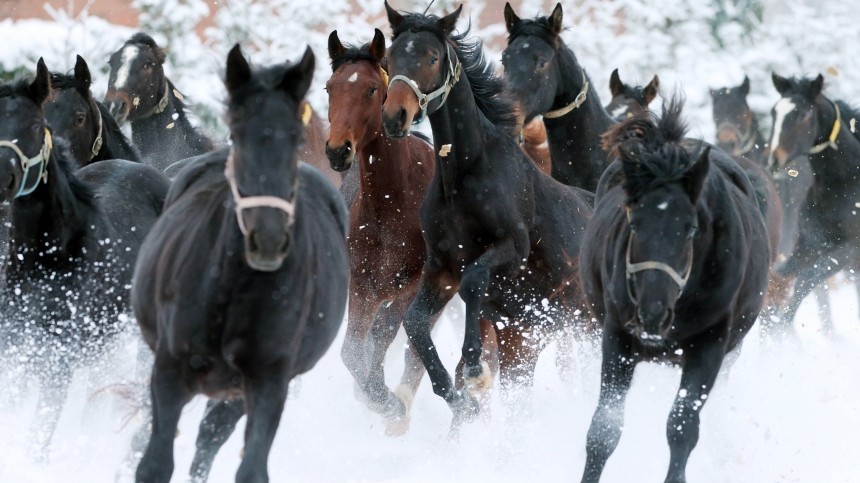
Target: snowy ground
[{"x": 789, "y": 412}]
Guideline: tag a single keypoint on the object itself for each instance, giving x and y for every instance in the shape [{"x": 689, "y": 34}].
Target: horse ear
[
  {"x": 555, "y": 19},
  {"x": 615, "y": 84},
  {"x": 82, "y": 72},
  {"x": 377, "y": 46},
  {"x": 40, "y": 88},
  {"x": 394, "y": 18},
  {"x": 238, "y": 69},
  {"x": 448, "y": 22},
  {"x": 695, "y": 177},
  {"x": 335, "y": 47},
  {"x": 511, "y": 19},
  {"x": 817, "y": 85},
  {"x": 745, "y": 86},
  {"x": 781, "y": 83},
  {"x": 297, "y": 79},
  {"x": 650, "y": 91}
]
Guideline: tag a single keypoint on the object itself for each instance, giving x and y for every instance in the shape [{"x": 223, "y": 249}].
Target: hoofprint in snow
[{"x": 786, "y": 412}]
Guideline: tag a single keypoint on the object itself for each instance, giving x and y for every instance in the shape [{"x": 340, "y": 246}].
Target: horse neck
[
  {"x": 758, "y": 150},
  {"x": 114, "y": 144},
  {"x": 574, "y": 138},
  {"x": 841, "y": 165},
  {"x": 384, "y": 166},
  {"x": 52, "y": 221},
  {"x": 169, "y": 129}
]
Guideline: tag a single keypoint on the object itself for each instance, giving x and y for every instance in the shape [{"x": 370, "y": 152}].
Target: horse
[
  {"x": 73, "y": 240},
  {"x": 76, "y": 116},
  {"x": 536, "y": 145},
  {"x": 629, "y": 100},
  {"x": 140, "y": 93},
  {"x": 386, "y": 247},
  {"x": 242, "y": 283},
  {"x": 811, "y": 134},
  {"x": 738, "y": 129},
  {"x": 546, "y": 79},
  {"x": 497, "y": 231},
  {"x": 654, "y": 272}
]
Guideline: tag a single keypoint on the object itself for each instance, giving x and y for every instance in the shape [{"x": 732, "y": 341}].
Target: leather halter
[
  {"x": 578, "y": 101},
  {"x": 834, "y": 133},
  {"x": 634, "y": 268},
  {"x": 243, "y": 203},
  {"x": 162, "y": 104},
  {"x": 26, "y": 163},
  {"x": 454, "y": 72},
  {"x": 97, "y": 144}
]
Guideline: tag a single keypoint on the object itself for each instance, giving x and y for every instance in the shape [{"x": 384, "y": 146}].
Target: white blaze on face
[
  {"x": 353, "y": 77},
  {"x": 410, "y": 45},
  {"x": 782, "y": 108},
  {"x": 129, "y": 53},
  {"x": 619, "y": 111}
]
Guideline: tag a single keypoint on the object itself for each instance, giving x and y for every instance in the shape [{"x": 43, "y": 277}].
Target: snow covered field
[{"x": 788, "y": 412}]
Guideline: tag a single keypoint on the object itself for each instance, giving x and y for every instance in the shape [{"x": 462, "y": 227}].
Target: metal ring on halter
[
  {"x": 243, "y": 203},
  {"x": 26, "y": 163},
  {"x": 424, "y": 99}
]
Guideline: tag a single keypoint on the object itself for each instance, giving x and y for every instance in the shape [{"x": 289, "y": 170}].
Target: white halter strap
[
  {"x": 40, "y": 159},
  {"x": 454, "y": 72},
  {"x": 578, "y": 101},
  {"x": 634, "y": 268},
  {"x": 243, "y": 203},
  {"x": 97, "y": 144}
]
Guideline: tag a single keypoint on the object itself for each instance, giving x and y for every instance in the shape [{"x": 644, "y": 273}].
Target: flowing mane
[
  {"x": 353, "y": 53},
  {"x": 650, "y": 149},
  {"x": 488, "y": 89}
]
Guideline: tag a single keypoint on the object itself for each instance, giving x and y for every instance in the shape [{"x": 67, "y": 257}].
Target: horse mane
[
  {"x": 65, "y": 164},
  {"x": 803, "y": 86},
  {"x": 143, "y": 38},
  {"x": 488, "y": 89},
  {"x": 650, "y": 149},
  {"x": 539, "y": 27},
  {"x": 67, "y": 81},
  {"x": 353, "y": 53},
  {"x": 19, "y": 87}
]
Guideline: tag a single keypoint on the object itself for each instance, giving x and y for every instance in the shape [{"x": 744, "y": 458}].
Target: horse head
[
  {"x": 74, "y": 115},
  {"x": 356, "y": 90},
  {"x": 137, "y": 86},
  {"x": 629, "y": 100},
  {"x": 733, "y": 117},
  {"x": 263, "y": 113}
]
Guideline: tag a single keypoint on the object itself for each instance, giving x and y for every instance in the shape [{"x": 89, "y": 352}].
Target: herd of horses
[{"x": 554, "y": 218}]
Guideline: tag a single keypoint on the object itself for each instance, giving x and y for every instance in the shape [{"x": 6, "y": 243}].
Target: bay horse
[
  {"x": 546, "y": 79},
  {"x": 242, "y": 283},
  {"x": 654, "y": 271},
  {"x": 629, "y": 100},
  {"x": 738, "y": 130},
  {"x": 811, "y": 130},
  {"x": 73, "y": 240},
  {"x": 140, "y": 93},
  {"x": 497, "y": 231},
  {"x": 386, "y": 247},
  {"x": 76, "y": 116}
]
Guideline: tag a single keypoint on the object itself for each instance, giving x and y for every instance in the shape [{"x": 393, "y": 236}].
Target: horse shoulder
[{"x": 319, "y": 191}]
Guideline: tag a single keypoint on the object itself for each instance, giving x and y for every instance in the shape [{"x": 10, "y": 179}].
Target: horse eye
[
  {"x": 541, "y": 64},
  {"x": 147, "y": 65},
  {"x": 80, "y": 119},
  {"x": 37, "y": 126},
  {"x": 433, "y": 61},
  {"x": 372, "y": 91}
]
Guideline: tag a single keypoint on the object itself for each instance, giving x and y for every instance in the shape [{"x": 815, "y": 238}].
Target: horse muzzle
[
  {"x": 651, "y": 327},
  {"x": 266, "y": 250},
  {"x": 118, "y": 106},
  {"x": 340, "y": 158}
]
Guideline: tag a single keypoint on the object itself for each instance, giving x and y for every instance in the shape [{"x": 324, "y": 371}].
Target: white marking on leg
[
  {"x": 129, "y": 53},
  {"x": 781, "y": 109}
]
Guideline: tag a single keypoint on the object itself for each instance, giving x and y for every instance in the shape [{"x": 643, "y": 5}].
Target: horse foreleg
[
  {"x": 53, "y": 391},
  {"x": 807, "y": 279},
  {"x": 265, "y": 395},
  {"x": 217, "y": 425},
  {"x": 701, "y": 364},
  {"x": 169, "y": 396},
  {"x": 355, "y": 342},
  {"x": 615, "y": 376},
  {"x": 385, "y": 325}
]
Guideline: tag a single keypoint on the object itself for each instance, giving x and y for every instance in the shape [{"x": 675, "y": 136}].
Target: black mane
[
  {"x": 353, "y": 53},
  {"x": 488, "y": 89},
  {"x": 142, "y": 38},
  {"x": 650, "y": 149},
  {"x": 16, "y": 88},
  {"x": 539, "y": 26},
  {"x": 803, "y": 86}
]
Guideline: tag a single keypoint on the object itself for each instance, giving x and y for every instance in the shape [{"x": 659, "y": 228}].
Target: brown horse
[
  {"x": 386, "y": 247},
  {"x": 312, "y": 150},
  {"x": 536, "y": 145}
]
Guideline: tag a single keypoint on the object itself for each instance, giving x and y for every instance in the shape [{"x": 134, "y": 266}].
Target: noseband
[
  {"x": 634, "y": 268},
  {"x": 40, "y": 159},
  {"x": 243, "y": 203},
  {"x": 451, "y": 79}
]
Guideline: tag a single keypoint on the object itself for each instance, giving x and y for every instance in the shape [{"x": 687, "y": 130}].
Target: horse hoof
[
  {"x": 465, "y": 407},
  {"x": 479, "y": 379},
  {"x": 397, "y": 427}
]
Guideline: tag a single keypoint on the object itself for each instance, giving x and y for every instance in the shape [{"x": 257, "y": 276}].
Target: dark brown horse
[
  {"x": 386, "y": 248},
  {"x": 629, "y": 100},
  {"x": 497, "y": 230}
]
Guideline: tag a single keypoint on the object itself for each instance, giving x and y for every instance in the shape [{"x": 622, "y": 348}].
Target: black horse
[
  {"x": 738, "y": 130},
  {"x": 546, "y": 79},
  {"x": 74, "y": 115},
  {"x": 654, "y": 269},
  {"x": 628, "y": 100},
  {"x": 497, "y": 230},
  {"x": 73, "y": 241},
  {"x": 139, "y": 92},
  {"x": 242, "y": 284},
  {"x": 812, "y": 133}
]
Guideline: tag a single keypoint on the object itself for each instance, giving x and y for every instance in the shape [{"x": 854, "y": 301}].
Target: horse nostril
[
  {"x": 402, "y": 116},
  {"x": 348, "y": 145}
]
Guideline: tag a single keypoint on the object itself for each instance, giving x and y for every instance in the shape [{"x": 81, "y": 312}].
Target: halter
[
  {"x": 578, "y": 101},
  {"x": 26, "y": 163},
  {"x": 834, "y": 133},
  {"x": 97, "y": 144},
  {"x": 243, "y": 203},
  {"x": 162, "y": 104},
  {"x": 634, "y": 268},
  {"x": 424, "y": 99},
  {"x": 747, "y": 144}
]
